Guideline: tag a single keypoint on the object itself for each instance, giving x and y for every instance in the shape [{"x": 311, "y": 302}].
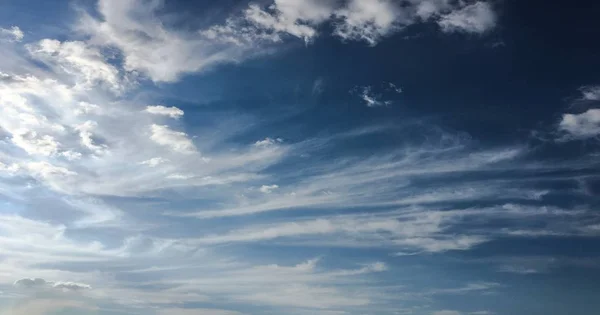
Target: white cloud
[
  {"x": 426, "y": 9},
  {"x": 267, "y": 189},
  {"x": 84, "y": 108},
  {"x": 71, "y": 286},
  {"x": 33, "y": 143},
  {"x": 13, "y": 33},
  {"x": 179, "y": 176},
  {"x": 80, "y": 60},
  {"x": 11, "y": 168},
  {"x": 155, "y": 161},
  {"x": 422, "y": 232},
  {"x": 71, "y": 155},
  {"x": 267, "y": 142},
  {"x": 79, "y": 234},
  {"x": 581, "y": 126},
  {"x": 446, "y": 312},
  {"x": 318, "y": 86},
  {"x": 478, "y": 18},
  {"x": 163, "y": 54},
  {"x": 590, "y": 93},
  {"x": 288, "y": 20},
  {"x": 369, "y": 20},
  {"x": 371, "y": 99},
  {"x": 85, "y": 133},
  {"x": 172, "y": 111},
  {"x": 395, "y": 88},
  {"x": 177, "y": 140},
  {"x": 148, "y": 46}
]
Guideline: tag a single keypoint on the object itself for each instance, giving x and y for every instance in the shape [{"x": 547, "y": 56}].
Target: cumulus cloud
[
  {"x": 172, "y": 111},
  {"x": 13, "y": 33},
  {"x": 478, "y": 18},
  {"x": 369, "y": 21},
  {"x": 155, "y": 161},
  {"x": 296, "y": 18},
  {"x": 267, "y": 189},
  {"x": 267, "y": 142},
  {"x": 176, "y": 140},
  {"x": 581, "y": 126}
]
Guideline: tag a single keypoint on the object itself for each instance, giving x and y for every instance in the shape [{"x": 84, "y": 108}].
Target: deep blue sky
[{"x": 424, "y": 157}]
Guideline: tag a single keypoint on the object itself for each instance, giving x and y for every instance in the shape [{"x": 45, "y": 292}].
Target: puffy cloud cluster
[
  {"x": 581, "y": 126},
  {"x": 14, "y": 33},
  {"x": 164, "y": 54}
]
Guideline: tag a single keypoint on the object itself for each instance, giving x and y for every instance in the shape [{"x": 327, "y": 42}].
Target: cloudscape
[{"x": 359, "y": 157}]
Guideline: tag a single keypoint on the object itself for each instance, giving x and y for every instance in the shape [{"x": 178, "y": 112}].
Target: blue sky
[{"x": 427, "y": 157}]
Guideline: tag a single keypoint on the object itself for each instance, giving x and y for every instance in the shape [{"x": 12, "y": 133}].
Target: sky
[{"x": 359, "y": 157}]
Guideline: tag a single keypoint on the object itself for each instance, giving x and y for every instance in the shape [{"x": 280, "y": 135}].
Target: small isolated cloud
[
  {"x": 71, "y": 286},
  {"x": 13, "y": 33},
  {"x": 394, "y": 87},
  {"x": 267, "y": 142},
  {"x": 446, "y": 312},
  {"x": 581, "y": 126},
  {"x": 172, "y": 111},
  {"x": 590, "y": 93},
  {"x": 179, "y": 176},
  {"x": 370, "y": 98},
  {"x": 478, "y": 18},
  {"x": 267, "y": 189},
  {"x": 318, "y": 86},
  {"x": 153, "y": 162},
  {"x": 176, "y": 140}
]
